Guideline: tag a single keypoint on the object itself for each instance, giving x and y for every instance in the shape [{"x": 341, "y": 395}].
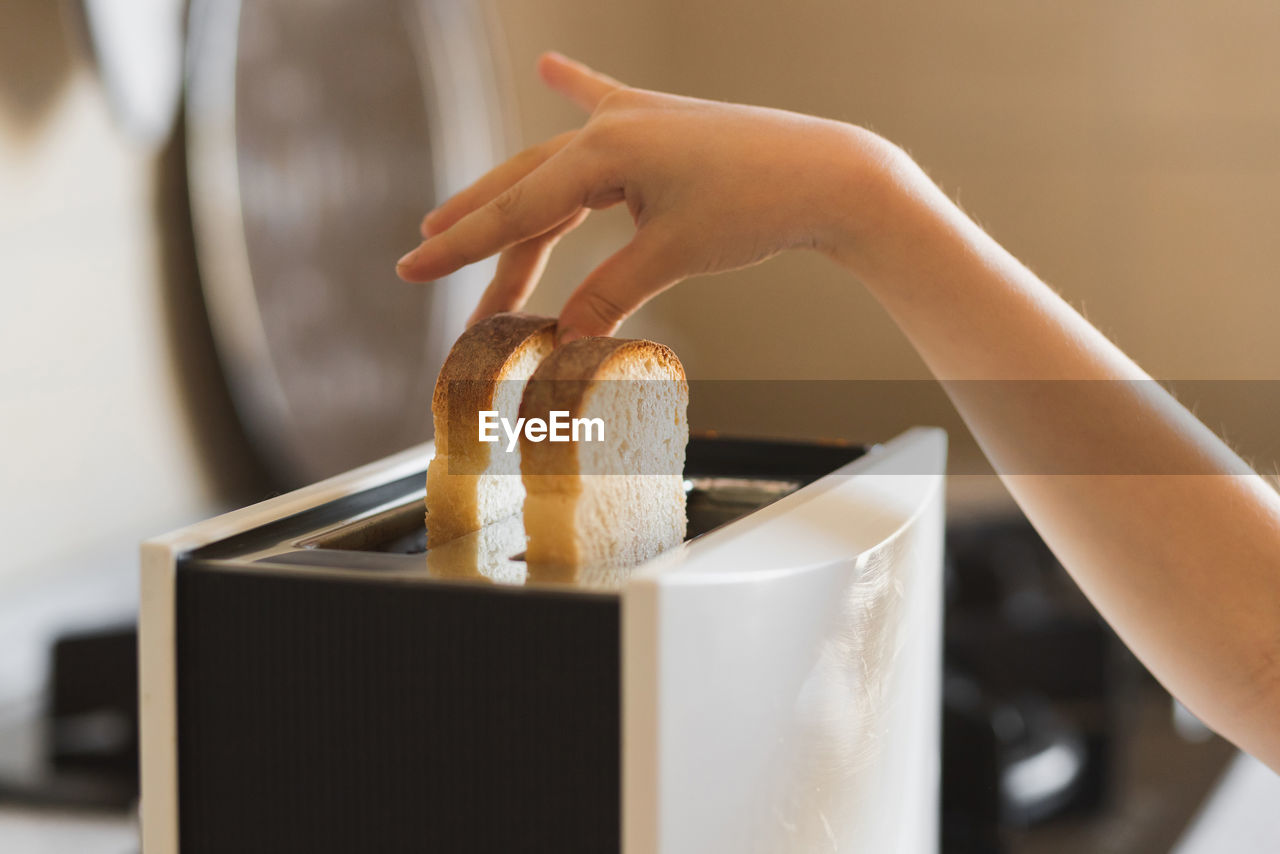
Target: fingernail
[{"x": 408, "y": 256}]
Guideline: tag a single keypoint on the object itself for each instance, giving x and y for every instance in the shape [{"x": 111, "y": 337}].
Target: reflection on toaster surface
[{"x": 496, "y": 553}]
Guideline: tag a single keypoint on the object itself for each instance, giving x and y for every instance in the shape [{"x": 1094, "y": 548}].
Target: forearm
[{"x": 1167, "y": 531}]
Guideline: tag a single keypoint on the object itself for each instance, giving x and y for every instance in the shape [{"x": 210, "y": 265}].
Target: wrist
[{"x": 873, "y": 191}]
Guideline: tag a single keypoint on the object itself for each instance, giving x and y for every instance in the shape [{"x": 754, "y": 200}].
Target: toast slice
[
  {"x": 616, "y": 502},
  {"x": 472, "y": 483}
]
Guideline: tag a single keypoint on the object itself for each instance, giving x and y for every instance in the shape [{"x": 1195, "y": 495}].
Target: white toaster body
[{"x": 779, "y": 676}]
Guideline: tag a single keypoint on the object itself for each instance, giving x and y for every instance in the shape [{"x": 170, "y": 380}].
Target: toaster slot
[
  {"x": 716, "y": 501},
  {"x": 401, "y": 528},
  {"x": 725, "y": 479}
]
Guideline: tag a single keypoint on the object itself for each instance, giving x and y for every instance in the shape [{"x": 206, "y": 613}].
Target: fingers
[
  {"x": 584, "y": 86},
  {"x": 613, "y": 291},
  {"x": 581, "y": 84},
  {"x": 519, "y": 269},
  {"x": 543, "y": 199},
  {"x": 491, "y": 184}
]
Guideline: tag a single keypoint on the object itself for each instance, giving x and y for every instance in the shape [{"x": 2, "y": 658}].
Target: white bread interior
[
  {"x": 471, "y": 484},
  {"x": 618, "y": 502}
]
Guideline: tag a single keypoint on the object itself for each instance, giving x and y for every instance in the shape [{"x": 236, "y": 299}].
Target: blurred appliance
[
  {"x": 313, "y": 679},
  {"x": 318, "y": 135},
  {"x": 1034, "y": 692}
]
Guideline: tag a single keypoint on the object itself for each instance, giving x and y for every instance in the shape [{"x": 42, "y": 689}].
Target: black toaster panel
[{"x": 324, "y": 714}]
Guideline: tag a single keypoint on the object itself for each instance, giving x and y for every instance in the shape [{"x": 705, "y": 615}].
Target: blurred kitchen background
[{"x": 200, "y": 212}]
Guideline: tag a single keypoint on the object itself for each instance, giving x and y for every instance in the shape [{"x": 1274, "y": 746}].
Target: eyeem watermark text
[{"x": 558, "y": 428}]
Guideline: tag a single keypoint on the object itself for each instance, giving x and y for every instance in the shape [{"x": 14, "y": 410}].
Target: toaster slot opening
[
  {"x": 716, "y": 501},
  {"x": 401, "y": 529},
  {"x": 725, "y": 480}
]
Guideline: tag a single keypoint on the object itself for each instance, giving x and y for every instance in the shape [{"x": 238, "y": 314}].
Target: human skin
[{"x": 1170, "y": 534}]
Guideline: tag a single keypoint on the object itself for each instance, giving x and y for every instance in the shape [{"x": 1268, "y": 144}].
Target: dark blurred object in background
[
  {"x": 1034, "y": 684},
  {"x": 1050, "y": 726},
  {"x": 88, "y": 728},
  {"x": 93, "y": 712}
]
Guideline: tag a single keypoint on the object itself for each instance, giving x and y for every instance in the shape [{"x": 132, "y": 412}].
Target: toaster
[{"x": 313, "y": 679}]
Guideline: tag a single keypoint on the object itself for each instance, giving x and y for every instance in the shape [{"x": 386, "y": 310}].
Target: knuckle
[
  {"x": 606, "y": 133},
  {"x": 602, "y": 308},
  {"x": 622, "y": 97},
  {"x": 507, "y": 202}
]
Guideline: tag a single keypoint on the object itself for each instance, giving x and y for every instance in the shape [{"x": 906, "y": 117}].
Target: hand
[{"x": 710, "y": 186}]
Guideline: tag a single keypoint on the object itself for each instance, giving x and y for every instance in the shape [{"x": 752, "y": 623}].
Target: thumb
[{"x": 613, "y": 291}]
